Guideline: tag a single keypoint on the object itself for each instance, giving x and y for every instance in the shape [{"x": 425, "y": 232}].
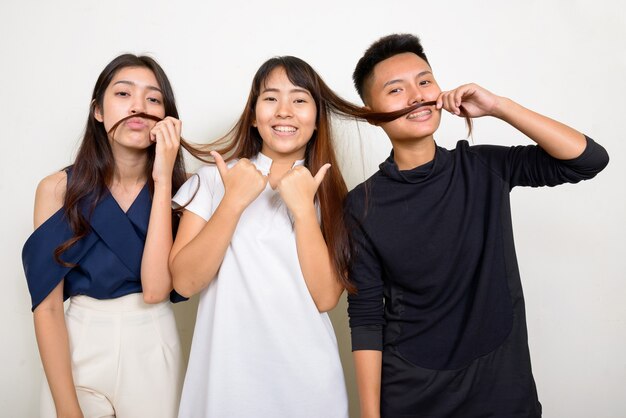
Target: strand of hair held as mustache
[
  {"x": 383, "y": 117},
  {"x": 202, "y": 155}
]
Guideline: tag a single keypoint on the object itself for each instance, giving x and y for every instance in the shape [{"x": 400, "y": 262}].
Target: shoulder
[
  {"x": 357, "y": 196},
  {"x": 49, "y": 196}
]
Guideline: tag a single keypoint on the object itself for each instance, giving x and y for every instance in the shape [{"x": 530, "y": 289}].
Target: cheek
[{"x": 310, "y": 119}]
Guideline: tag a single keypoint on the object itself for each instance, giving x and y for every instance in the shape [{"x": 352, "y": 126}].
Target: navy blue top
[
  {"x": 108, "y": 259},
  {"x": 434, "y": 261}
]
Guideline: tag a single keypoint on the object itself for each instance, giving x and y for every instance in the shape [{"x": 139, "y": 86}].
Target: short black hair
[{"x": 383, "y": 48}]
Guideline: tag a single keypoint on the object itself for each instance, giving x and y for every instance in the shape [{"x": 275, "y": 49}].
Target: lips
[{"x": 136, "y": 123}]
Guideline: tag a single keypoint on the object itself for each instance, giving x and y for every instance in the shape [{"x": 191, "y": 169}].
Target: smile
[
  {"x": 285, "y": 129},
  {"x": 419, "y": 114}
]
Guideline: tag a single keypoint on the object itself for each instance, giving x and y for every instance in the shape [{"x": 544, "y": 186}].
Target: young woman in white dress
[{"x": 262, "y": 239}]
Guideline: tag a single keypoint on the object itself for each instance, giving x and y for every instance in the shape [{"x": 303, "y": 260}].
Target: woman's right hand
[{"x": 243, "y": 182}]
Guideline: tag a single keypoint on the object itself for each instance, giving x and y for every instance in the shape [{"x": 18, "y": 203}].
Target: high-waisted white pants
[{"x": 126, "y": 358}]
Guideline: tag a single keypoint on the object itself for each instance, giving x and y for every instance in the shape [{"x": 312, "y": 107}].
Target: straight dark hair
[
  {"x": 93, "y": 168},
  {"x": 244, "y": 141}
]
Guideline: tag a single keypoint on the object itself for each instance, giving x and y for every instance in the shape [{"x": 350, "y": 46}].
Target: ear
[
  {"x": 254, "y": 123},
  {"x": 369, "y": 109},
  {"x": 97, "y": 112}
]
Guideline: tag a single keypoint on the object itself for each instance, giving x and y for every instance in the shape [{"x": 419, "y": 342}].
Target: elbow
[
  {"x": 181, "y": 287},
  {"x": 326, "y": 304},
  {"x": 152, "y": 297}
]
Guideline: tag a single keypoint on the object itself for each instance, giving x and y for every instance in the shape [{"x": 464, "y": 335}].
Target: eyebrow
[
  {"x": 296, "y": 90},
  {"x": 398, "y": 80},
  {"x": 132, "y": 83}
]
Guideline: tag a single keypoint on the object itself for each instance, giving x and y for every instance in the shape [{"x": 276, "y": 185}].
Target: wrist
[
  {"x": 233, "y": 205},
  {"x": 304, "y": 213},
  {"x": 502, "y": 108}
]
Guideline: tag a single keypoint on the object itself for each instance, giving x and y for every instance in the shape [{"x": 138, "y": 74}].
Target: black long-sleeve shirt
[{"x": 434, "y": 260}]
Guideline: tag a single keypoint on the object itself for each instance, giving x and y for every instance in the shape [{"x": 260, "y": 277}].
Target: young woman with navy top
[
  {"x": 103, "y": 232},
  {"x": 264, "y": 244}
]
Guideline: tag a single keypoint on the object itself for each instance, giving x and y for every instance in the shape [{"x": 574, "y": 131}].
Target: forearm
[
  {"x": 368, "y": 365},
  {"x": 557, "y": 139},
  {"x": 319, "y": 274},
  {"x": 156, "y": 280},
  {"x": 52, "y": 338},
  {"x": 195, "y": 265}
]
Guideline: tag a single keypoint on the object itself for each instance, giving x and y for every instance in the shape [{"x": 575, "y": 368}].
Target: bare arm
[
  {"x": 49, "y": 317},
  {"x": 156, "y": 280},
  {"x": 368, "y": 364},
  {"x": 298, "y": 190},
  {"x": 54, "y": 350},
  {"x": 200, "y": 246},
  {"x": 557, "y": 139}
]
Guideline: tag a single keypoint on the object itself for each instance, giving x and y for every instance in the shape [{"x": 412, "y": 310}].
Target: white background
[{"x": 566, "y": 59}]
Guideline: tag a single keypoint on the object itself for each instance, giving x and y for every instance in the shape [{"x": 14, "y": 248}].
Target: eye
[
  {"x": 394, "y": 91},
  {"x": 154, "y": 100},
  {"x": 269, "y": 99},
  {"x": 424, "y": 82},
  {"x": 122, "y": 94},
  {"x": 300, "y": 101}
]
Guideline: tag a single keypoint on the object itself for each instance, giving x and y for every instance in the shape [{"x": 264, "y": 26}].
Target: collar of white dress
[{"x": 264, "y": 163}]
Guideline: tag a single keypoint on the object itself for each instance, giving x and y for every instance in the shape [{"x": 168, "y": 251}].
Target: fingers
[
  {"x": 219, "y": 162},
  {"x": 168, "y": 131},
  {"x": 452, "y": 100},
  {"x": 321, "y": 173}
]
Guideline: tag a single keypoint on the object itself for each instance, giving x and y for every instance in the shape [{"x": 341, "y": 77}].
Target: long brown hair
[
  {"x": 244, "y": 141},
  {"x": 93, "y": 168}
]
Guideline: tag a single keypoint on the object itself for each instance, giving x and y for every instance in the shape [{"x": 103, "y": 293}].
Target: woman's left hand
[
  {"x": 166, "y": 134},
  {"x": 475, "y": 100},
  {"x": 298, "y": 188}
]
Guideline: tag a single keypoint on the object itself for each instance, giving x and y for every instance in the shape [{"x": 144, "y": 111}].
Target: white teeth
[
  {"x": 419, "y": 114},
  {"x": 284, "y": 128}
]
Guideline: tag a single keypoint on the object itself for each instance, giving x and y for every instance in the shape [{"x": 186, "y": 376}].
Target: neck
[
  {"x": 409, "y": 155},
  {"x": 130, "y": 166}
]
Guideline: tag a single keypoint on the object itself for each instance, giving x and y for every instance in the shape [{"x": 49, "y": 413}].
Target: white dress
[{"x": 260, "y": 347}]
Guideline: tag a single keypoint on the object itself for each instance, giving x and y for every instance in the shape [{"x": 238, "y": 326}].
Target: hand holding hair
[
  {"x": 166, "y": 135},
  {"x": 298, "y": 188},
  {"x": 469, "y": 100},
  {"x": 242, "y": 182}
]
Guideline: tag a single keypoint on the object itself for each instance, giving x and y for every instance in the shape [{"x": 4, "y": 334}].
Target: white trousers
[{"x": 126, "y": 358}]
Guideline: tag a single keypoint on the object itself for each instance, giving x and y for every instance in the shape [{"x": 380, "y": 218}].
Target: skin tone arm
[
  {"x": 368, "y": 365},
  {"x": 156, "y": 280},
  {"x": 200, "y": 246},
  {"x": 297, "y": 187},
  {"x": 49, "y": 318},
  {"x": 557, "y": 139}
]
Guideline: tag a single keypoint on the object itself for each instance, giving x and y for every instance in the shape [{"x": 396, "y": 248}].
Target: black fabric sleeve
[
  {"x": 365, "y": 307},
  {"x": 532, "y": 166}
]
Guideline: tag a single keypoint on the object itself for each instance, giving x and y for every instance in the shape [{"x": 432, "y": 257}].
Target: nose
[
  {"x": 415, "y": 95},
  {"x": 138, "y": 105},
  {"x": 283, "y": 110}
]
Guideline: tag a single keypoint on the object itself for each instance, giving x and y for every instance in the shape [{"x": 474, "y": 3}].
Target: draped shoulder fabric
[{"x": 107, "y": 261}]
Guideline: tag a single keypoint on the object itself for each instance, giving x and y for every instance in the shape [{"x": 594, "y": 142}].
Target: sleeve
[
  {"x": 197, "y": 193},
  {"x": 532, "y": 166},
  {"x": 365, "y": 307},
  {"x": 42, "y": 271}
]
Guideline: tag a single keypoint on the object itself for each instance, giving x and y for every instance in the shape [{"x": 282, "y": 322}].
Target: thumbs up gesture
[
  {"x": 298, "y": 188},
  {"x": 242, "y": 182}
]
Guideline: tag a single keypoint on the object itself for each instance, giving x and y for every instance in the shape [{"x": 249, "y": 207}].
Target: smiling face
[
  {"x": 285, "y": 116},
  {"x": 132, "y": 90},
  {"x": 397, "y": 83}
]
